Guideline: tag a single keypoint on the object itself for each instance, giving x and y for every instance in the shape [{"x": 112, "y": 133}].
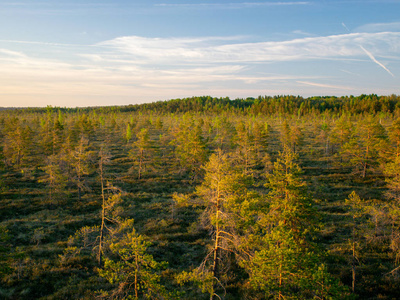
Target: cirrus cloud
[
  {"x": 159, "y": 68},
  {"x": 213, "y": 50}
]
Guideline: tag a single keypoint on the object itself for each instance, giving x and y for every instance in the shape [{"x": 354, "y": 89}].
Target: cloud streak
[
  {"x": 322, "y": 85},
  {"x": 215, "y": 50},
  {"x": 233, "y": 5},
  {"x": 160, "y": 68},
  {"x": 379, "y": 27},
  {"x": 375, "y": 60}
]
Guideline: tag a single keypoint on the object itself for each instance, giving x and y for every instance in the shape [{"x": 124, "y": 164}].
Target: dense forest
[{"x": 279, "y": 197}]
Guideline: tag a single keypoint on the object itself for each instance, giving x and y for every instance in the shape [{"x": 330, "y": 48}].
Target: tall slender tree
[
  {"x": 221, "y": 191},
  {"x": 81, "y": 165},
  {"x": 245, "y": 154},
  {"x": 104, "y": 159},
  {"x": 142, "y": 151},
  {"x": 190, "y": 149},
  {"x": 54, "y": 177},
  {"x": 283, "y": 262},
  {"x": 17, "y": 144}
]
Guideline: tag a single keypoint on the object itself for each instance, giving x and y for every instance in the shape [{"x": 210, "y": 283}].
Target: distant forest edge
[{"x": 268, "y": 105}]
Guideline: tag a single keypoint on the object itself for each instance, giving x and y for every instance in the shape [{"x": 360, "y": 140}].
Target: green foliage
[
  {"x": 392, "y": 172},
  {"x": 81, "y": 165},
  {"x": 394, "y": 136},
  {"x": 55, "y": 179},
  {"x": 202, "y": 279},
  {"x": 142, "y": 151},
  {"x": 134, "y": 273},
  {"x": 283, "y": 261},
  {"x": 17, "y": 144},
  {"x": 362, "y": 150},
  {"x": 244, "y": 223},
  {"x": 341, "y": 132},
  {"x": 246, "y": 153},
  {"x": 191, "y": 149},
  {"x": 128, "y": 134},
  {"x": 291, "y": 136}
]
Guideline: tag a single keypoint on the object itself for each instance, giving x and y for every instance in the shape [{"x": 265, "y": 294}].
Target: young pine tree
[
  {"x": 142, "y": 151},
  {"x": 81, "y": 164},
  {"x": 221, "y": 192},
  {"x": 362, "y": 151},
  {"x": 133, "y": 272},
  {"x": 54, "y": 178},
  {"x": 283, "y": 262}
]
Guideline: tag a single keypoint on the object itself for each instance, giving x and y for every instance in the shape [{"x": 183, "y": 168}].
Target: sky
[{"x": 80, "y": 53}]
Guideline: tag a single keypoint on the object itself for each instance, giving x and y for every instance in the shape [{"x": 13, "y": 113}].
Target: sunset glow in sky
[{"x": 94, "y": 53}]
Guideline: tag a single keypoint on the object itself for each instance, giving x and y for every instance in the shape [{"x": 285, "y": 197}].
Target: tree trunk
[
  {"x": 103, "y": 207},
  {"x": 353, "y": 265},
  {"x": 280, "y": 279},
  {"x": 140, "y": 163},
  {"x": 136, "y": 274},
  {"x": 79, "y": 193},
  {"x": 216, "y": 245}
]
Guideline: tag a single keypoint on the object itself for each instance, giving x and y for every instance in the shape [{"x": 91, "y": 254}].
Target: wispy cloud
[
  {"x": 345, "y": 27},
  {"x": 323, "y": 85},
  {"x": 215, "y": 50},
  {"x": 54, "y": 8},
  {"x": 349, "y": 72},
  {"x": 11, "y": 53},
  {"x": 233, "y": 5},
  {"x": 42, "y": 43},
  {"x": 375, "y": 60},
  {"x": 379, "y": 27},
  {"x": 301, "y": 32},
  {"x": 158, "y": 68}
]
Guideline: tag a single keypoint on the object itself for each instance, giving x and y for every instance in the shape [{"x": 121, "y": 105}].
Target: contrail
[
  {"x": 375, "y": 60},
  {"x": 344, "y": 25},
  {"x": 44, "y": 43},
  {"x": 370, "y": 54}
]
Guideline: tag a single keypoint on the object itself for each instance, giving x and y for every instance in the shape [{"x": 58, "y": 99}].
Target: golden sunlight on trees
[
  {"x": 232, "y": 199},
  {"x": 283, "y": 261}
]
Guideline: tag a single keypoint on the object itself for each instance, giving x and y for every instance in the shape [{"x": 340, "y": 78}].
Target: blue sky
[{"x": 91, "y": 53}]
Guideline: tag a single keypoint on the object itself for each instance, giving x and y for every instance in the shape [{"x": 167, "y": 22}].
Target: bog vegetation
[{"x": 202, "y": 198}]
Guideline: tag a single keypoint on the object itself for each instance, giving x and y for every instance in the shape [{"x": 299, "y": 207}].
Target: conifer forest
[{"x": 279, "y": 197}]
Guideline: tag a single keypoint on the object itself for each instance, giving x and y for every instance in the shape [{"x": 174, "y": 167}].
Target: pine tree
[
  {"x": 283, "y": 262},
  {"x": 128, "y": 134},
  {"x": 190, "y": 149},
  {"x": 81, "y": 163},
  {"x": 291, "y": 136},
  {"x": 104, "y": 159},
  {"x": 17, "y": 144},
  {"x": 221, "y": 193},
  {"x": 133, "y": 271},
  {"x": 54, "y": 177},
  {"x": 260, "y": 136},
  {"x": 245, "y": 154},
  {"x": 142, "y": 151},
  {"x": 223, "y": 132},
  {"x": 324, "y": 136},
  {"x": 394, "y": 136},
  {"x": 341, "y": 132},
  {"x": 357, "y": 211},
  {"x": 392, "y": 173},
  {"x": 363, "y": 149}
]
